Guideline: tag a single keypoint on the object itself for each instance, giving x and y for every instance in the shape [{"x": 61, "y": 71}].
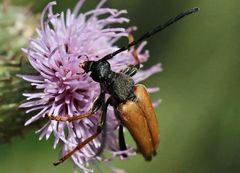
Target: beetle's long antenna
[{"x": 151, "y": 33}]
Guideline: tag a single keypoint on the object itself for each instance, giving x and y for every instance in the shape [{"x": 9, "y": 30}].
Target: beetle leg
[
  {"x": 121, "y": 139},
  {"x": 132, "y": 69},
  {"x": 70, "y": 119},
  {"x": 101, "y": 126},
  {"x": 134, "y": 52},
  {"x": 78, "y": 147},
  {"x": 97, "y": 104},
  {"x": 99, "y": 101},
  {"x": 122, "y": 143}
]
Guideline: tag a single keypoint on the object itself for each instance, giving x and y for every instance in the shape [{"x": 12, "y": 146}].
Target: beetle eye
[{"x": 87, "y": 66}]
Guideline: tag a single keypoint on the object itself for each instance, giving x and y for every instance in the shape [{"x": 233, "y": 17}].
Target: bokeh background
[{"x": 199, "y": 114}]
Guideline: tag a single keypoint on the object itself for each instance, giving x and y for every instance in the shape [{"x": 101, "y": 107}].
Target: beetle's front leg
[
  {"x": 101, "y": 126},
  {"x": 97, "y": 104},
  {"x": 70, "y": 119}
]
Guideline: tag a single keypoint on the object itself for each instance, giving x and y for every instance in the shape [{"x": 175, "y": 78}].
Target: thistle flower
[{"x": 61, "y": 86}]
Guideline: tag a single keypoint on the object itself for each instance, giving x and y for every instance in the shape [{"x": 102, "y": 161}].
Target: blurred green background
[{"x": 199, "y": 114}]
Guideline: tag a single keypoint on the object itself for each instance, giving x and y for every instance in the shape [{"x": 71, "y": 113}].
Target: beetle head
[{"x": 99, "y": 69}]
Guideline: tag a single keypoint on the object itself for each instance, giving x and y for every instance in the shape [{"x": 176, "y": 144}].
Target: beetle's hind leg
[
  {"x": 132, "y": 69},
  {"x": 122, "y": 143}
]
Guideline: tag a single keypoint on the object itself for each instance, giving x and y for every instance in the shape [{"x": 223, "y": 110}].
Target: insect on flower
[
  {"x": 79, "y": 68},
  {"x": 130, "y": 101}
]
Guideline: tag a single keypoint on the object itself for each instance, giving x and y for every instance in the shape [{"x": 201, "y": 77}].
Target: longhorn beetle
[{"x": 131, "y": 102}]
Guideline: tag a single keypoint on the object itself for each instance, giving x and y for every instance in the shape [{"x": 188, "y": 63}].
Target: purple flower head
[{"x": 63, "y": 42}]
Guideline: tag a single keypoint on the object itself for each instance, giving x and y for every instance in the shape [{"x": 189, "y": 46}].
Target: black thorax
[{"x": 118, "y": 85}]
